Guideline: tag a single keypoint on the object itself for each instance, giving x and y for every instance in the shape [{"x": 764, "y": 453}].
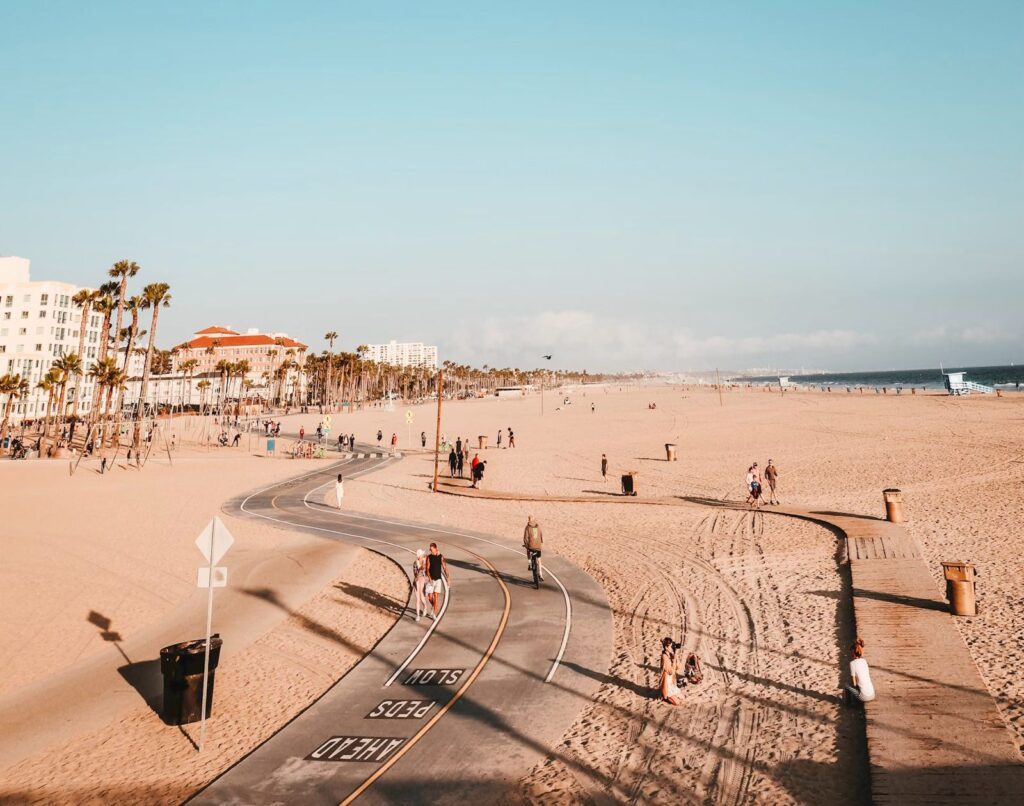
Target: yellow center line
[{"x": 455, "y": 698}]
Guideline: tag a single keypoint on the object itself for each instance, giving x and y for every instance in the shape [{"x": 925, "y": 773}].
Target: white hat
[{"x": 420, "y": 552}]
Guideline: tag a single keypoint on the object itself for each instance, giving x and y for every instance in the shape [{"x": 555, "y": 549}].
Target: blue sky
[{"x": 664, "y": 185}]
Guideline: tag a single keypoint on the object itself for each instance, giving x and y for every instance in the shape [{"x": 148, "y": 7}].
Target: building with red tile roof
[{"x": 267, "y": 354}]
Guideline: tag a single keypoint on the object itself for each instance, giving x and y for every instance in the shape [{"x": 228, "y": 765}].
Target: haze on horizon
[{"x": 655, "y": 185}]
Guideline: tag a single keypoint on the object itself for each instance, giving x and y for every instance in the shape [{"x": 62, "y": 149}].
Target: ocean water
[{"x": 1001, "y": 377}]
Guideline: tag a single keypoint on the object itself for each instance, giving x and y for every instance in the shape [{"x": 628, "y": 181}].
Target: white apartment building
[
  {"x": 410, "y": 354},
  {"x": 38, "y": 324}
]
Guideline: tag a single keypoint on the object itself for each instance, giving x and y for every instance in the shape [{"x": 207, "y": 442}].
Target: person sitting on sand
[
  {"x": 670, "y": 691},
  {"x": 862, "y": 689}
]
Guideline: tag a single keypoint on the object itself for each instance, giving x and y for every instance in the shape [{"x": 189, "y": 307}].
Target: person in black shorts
[{"x": 437, "y": 575}]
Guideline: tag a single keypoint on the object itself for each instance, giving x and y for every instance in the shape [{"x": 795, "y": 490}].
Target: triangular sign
[{"x": 221, "y": 537}]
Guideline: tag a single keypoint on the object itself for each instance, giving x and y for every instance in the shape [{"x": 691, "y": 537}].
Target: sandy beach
[{"x": 764, "y": 601}]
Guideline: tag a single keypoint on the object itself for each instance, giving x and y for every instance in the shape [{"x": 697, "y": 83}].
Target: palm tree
[
  {"x": 155, "y": 296},
  {"x": 202, "y": 386},
  {"x": 100, "y": 374},
  {"x": 241, "y": 368},
  {"x": 84, "y": 299},
  {"x": 224, "y": 368},
  {"x": 70, "y": 366},
  {"x": 188, "y": 367},
  {"x": 330, "y": 336},
  {"x": 134, "y": 305},
  {"x": 104, "y": 304},
  {"x": 121, "y": 271},
  {"x": 15, "y": 387},
  {"x": 48, "y": 383}
]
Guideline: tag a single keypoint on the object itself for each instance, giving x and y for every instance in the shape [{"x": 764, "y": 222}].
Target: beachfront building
[
  {"x": 409, "y": 354},
  {"x": 275, "y": 360},
  {"x": 38, "y": 324}
]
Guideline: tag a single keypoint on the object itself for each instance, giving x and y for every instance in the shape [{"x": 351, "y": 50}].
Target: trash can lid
[{"x": 196, "y": 646}]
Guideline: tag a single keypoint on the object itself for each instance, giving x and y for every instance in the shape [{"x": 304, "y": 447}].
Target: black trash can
[{"x": 182, "y": 668}]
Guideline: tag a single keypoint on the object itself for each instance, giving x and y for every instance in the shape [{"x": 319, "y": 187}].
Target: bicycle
[{"x": 534, "y": 567}]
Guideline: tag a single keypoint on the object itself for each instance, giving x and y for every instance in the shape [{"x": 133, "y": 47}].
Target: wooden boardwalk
[{"x": 935, "y": 735}]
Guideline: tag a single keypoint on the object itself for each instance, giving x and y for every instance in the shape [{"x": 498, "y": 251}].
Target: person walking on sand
[
  {"x": 437, "y": 576},
  {"x": 472, "y": 468},
  {"x": 670, "y": 691},
  {"x": 771, "y": 475},
  {"x": 423, "y": 439},
  {"x": 499, "y": 437},
  {"x": 302, "y": 433},
  {"x": 533, "y": 542},
  {"x": 461, "y": 463},
  {"x": 458, "y": 444},
  {"x": 419, "y": 576},
  {"x": 593, "y": 408},
  {"x": 380, "y": 436},
  {"x": 604, "y": 467},
  {"x": 753, "y": 486},
  {"x": 511, "y": 438},
  {"x": 339, "y": 490},
  {"x": 861, "y": 690},
  {"x": 394, "y": 443},
  {"x": 453, "y": 462}
]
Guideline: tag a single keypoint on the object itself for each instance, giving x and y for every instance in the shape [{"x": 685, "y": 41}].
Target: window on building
[
  {"x": 42, "y": 314},
  {"x": 27, "y": 298},
  {"x": 3, "y": 349},
  {"x": 24, "y": 314},
  {"x": 39, "y": 348},
  {"x": 7, "y": 314},
  {"x": 8, "y": 302},
  {"x": 22, "y": 331},
  {"x": 44, "y": 299}
]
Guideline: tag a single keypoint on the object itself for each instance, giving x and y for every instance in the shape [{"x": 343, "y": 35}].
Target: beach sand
[
  {"x": 78, "y": 698},
  {"x": 764, "y": 601}
]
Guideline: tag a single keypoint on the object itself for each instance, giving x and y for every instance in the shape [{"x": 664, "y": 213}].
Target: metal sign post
[
  {"x": 213, "y": 542},
  {"x": 437, "y": 433}
]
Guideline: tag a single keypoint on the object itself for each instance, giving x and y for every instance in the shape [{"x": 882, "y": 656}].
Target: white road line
[
  {"x": 444, "y": 604},
  {"x": 565, "y": 593}
]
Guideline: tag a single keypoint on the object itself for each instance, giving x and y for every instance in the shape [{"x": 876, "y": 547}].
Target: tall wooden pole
[
  {"x": 437, "y": 432},
  {"x": 718, "y": 379}
]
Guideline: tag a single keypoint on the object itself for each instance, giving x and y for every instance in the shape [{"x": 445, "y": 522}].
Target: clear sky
[{"x": 666, "y": 185}]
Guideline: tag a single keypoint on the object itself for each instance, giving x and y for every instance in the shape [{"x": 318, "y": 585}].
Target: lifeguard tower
[{"x": 956, "y": 385}]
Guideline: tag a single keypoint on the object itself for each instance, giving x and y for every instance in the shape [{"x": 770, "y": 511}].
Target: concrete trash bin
[
  {"x": 670, "y": 452},
  {"x": 893, "y": 505},
  {"x": 629, "y": 483},
  {"x": 483, "y": 441},
  {"x": 960, "y": 588},
  {"x": 182, "y": 668}
]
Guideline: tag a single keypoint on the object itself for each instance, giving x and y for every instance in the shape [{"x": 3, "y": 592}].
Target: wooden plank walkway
[{"x": 935, "y": 735}]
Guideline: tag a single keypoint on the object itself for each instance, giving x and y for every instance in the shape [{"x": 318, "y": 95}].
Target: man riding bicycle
[{"x": 533, "y": 542}]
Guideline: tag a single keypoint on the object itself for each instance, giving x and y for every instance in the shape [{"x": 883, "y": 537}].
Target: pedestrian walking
[
  {"x": 499, "y": 437},
  {"x": 380, "y": 436},
  {"x": 754, "y": 486},
  {"x": 478, "y": 473},
  {"x": 302, "y": 433},
  {"x": 771, "y": 475},
  {"x": 472, "y": 468},
  {"x": 339, "y": 490},
  {"x": 351, "y": 442},
  {"x": 419, "y": 577},
  {"x": 511, "y": 438},
  {"x": 437, "y": 576},
  {"x": 604, "y": 467},
  {"x": 341, "y": 442},
  {"x": 458, "y": 444},
  {"x": 423, "y": 439},
  {"x": 453, "y": 462},
  {"x": 461, "y": 463},
  {"x": 593, "y": 408},
  {"x": 394, "y": 443}
]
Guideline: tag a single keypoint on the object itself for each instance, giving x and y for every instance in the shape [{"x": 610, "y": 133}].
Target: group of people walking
[
  {"x": 755, "y": 488},
  {"x": 430, "y": 577}
]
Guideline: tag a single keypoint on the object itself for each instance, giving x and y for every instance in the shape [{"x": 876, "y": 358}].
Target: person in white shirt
[
  {"x": 862, "y": 689},
  {"x": 339, "y": 490}
]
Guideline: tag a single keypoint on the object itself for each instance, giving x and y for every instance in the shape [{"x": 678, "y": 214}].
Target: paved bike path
[{"x": 471, "y": 712}]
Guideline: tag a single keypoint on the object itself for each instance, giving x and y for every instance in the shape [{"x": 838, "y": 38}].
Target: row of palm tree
[{"x": 110, "y": 301}]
